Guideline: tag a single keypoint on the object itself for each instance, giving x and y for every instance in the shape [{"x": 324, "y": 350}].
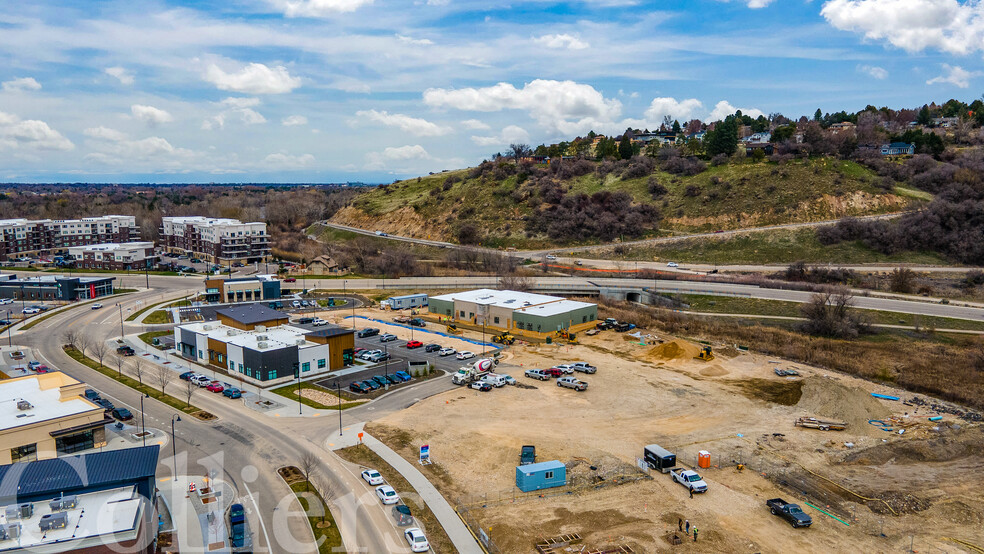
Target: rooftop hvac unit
[
  {"x": 206, "y": 327},
  {"x": 21, "y": 511},
  {"x": 261, "y": 345},
  {"x": 262, "y": 337},
  {"x": 9, "y": 531},
  {"x": 261, "y": 328},
  {"x": 24, "y": 405},
  {"x": 231, "y": 332},
  {"x": 301, "y": 342},
  {"x": 63, "y": 503},
  {"x": 54, "y": 521}
]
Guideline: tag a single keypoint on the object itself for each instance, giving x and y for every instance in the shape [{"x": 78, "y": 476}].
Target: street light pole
[
  {"x": 338, "y": 392},
  {"x": 120, "y": 306},
  {"x": 9, "y": 324},
  {"x": 297, "y": 372},
  {"x": 174, "y": 451},
  {"x": 143, "y": 421},
  {"x": 386, "y": 360}
]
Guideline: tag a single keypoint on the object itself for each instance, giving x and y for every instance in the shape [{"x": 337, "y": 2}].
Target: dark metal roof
[
  {"x": 330, "y": 332},
  {"x": 72, "y": 473},
  {"x": 251, "y": 313}
]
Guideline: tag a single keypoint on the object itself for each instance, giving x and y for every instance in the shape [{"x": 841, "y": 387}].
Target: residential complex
[
  {"x": 101, "y": 502},
  {"x": 257, "y": 344},
  {"x": 114, "y": 255},
  {"x": 515, "y": 311},
  {"x": 215, "y": 240},
  {"x": 259, "y": 287},
  {"x": 44, "y": 416},
  {"x": 54, "y": 287},
  {"x": 44, "y": 236}
]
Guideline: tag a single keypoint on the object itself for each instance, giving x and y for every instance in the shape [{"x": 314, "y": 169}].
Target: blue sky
[{"x": 373, "y": 90}]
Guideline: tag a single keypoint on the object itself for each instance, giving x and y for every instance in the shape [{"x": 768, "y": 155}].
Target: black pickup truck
[
  {"x": 790, "y": 512},
  {"x": 125, "y": 350}
]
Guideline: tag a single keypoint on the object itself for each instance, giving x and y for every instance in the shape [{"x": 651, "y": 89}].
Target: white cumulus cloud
[
  {"x": 955, "y": 75},
  {"x": 31, "y": 133},
  {"x": 120, "y": 74},
  {"x": 400, "y": 155},
  {"x": 104, "y": 133},
  {"x": 239, "y": 102},
  {"x": 680, "y": 110},
  {"x": 407, "y": 124},
  {"x": 254, "y": 78},
  {"x": 150, "y": 115},
  {"x": 564, "y": 107},
  {"x": 475, "y": 125},
  {"x": 560, "y": 41},
  {"x": 512, "y": 134},
  {"x": 22, "y": 84},
  {"x": 414, "y": 41},
  {"x": 723, "y": 109},
  {"x": 292, "y": 120},
  {"x": 874, "y": 71},
  {"x": 913, "y": 25},
  {"x": 318, "y": 8}
]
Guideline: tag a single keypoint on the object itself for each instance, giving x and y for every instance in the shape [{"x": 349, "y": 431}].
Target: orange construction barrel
[{"x": 704, "y": 459}]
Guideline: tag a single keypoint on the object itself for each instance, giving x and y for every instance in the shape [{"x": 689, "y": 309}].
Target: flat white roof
[
  {"x": 555, "y": 308},
  {"x": 501, "y": 298},
  {"x": 108, "y": 246},
  {"x": 106, "y": 512},
  {"x": 46, "y": 404},
  {"x": 276, "y": 337}
]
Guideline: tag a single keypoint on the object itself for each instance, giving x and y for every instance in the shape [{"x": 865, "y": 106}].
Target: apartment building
[
  {"x": 45, "y": 236},
  {"x": 215, "y": 240},
  {"x": 114, "y": 255}
]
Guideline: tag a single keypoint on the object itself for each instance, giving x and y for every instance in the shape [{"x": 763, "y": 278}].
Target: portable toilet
[
  {"x": 544, "y": 475},
  {"x": 703, "y": 459}
]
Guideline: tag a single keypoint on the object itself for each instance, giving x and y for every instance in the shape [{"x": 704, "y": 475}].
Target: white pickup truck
[
  {"x": 572, "y": 383},
  {"x": 689, "y": 479}
]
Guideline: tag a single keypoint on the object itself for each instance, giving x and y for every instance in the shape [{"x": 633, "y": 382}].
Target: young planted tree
[
  {"x": 190, "y": 390},
  {"x": 307, "y": 464},
  {"x": 164, "y": 376},
  {"x": 138, "y": 369},
  {"x": 118, "y": 362},
  {"x": 99, "y": 350},
  {"x": 71, "y": 338},
  {"x": 326, "y": 488}
]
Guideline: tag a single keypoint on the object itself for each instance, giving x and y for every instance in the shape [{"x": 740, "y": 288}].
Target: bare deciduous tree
[
  {"x": 326, "y": 488},
  {"x": 138, "y": 369},
  {"x": 118, "y": 361},
  {"x": 829, "y": 314},
  {"x": 81, "y": 342},
  {"x": 99, "y": 350},
  {"x": 516, "y": 282},
  {"x": 71, "y": 338},
  {"x": 307, "y": 464},
  {"x": 190, "y": 390},
  {"x": 164, "y": 376}
]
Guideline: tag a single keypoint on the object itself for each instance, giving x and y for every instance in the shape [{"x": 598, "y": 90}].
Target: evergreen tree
[
  {"x": 818, "y": 115},
  {"x": 924, "y": 117},
  {"x": 723, "y": 139},
  {"x": 676, "y": 126},
  {"x": 625, "y": 147}
]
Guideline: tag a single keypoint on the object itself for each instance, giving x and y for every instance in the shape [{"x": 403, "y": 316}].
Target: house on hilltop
[{"x": 898, "y": 149}]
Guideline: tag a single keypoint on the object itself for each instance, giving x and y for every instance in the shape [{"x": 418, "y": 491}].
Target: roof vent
[
  {"x": 206, "y": 327},
  {"x": 261, "y": 345},
  {"x": 301, "y": 341},
  {"x": 23, "y": 405},
  {"x": 261, "y": 328},
  {"x": 231, "y": 332},
  {"x": 262, "y": 337}
]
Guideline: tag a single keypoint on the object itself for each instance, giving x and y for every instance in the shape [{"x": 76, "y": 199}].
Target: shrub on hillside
[{"x": 603, "y": 216}]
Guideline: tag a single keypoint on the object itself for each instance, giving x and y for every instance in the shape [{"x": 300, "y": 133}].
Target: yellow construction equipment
[
  {"x": 504, "y": 338},
  {"x": 453, "y": 329},
  {"x": 705, "y": 354},
  {"x": 564, "y": 334}
]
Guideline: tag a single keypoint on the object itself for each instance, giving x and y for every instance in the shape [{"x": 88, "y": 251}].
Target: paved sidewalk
[{"x": 445, "y": 514}]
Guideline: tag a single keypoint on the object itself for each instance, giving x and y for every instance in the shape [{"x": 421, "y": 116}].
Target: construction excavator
[
  {"x": 705, "y": 354},
  {"x": 568, "y": 336},
  {"x": 504, "y": 338}
]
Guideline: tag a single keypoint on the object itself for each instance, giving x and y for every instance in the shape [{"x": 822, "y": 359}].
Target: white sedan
[
  {"x": 387, "y": 495},
  {"x": 96, "y": 306},
  {"x": 464, "y": 355},
  {"x": 672, "y": 264},
  {"x": 447, "y": 351},
  {"x": 418, "y": 542},
  {"x": 372, "y": 477},
  {"x": 29, "y": 311}
]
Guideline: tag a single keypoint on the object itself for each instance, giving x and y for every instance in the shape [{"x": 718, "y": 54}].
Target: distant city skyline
[{"x": 324, "y": 91}]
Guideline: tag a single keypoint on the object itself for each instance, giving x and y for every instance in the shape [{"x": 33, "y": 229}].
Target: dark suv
[{"x": 367, "y": 332}]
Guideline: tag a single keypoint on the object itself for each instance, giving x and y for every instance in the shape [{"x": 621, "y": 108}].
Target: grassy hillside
[
  {"x": 730, "y": 196},
  {"x": 783, "y": 246}
]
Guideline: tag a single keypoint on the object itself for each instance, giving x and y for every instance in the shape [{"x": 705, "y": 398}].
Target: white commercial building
[
  {"x": 114, "y": 255},
  {"x": 215, "y": 239},
  {"x": 18, "y": 236}
]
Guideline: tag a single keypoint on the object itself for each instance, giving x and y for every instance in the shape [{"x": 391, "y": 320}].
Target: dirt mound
[
  {"x": 672, "y": 350},
  {"x": 713, "y": 371},
  {"x": 828, "y": 398},
  {"x": 786, "y": 393},
  {"x": 945, "y": 448}
]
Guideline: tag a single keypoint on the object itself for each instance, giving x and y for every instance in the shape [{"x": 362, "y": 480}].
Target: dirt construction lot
[{"x": 889, "y": 489}]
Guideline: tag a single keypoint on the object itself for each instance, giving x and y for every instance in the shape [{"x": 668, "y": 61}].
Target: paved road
[{"x": 588, "y": 248}]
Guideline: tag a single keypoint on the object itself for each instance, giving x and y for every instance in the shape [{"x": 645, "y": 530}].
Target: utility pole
[
  {"x": 338, "y": 392},
  {"x": 120, "y": 306}
]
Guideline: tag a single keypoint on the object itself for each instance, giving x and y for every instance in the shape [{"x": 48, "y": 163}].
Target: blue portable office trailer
[
  {"x": 408, "y": 301},
  {"x": 544, "y": 475}
]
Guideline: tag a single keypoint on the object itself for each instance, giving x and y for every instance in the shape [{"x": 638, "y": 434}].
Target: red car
[
  {"x": 215, "y": 387},
  {"x": 414, "y": 344},
  {"x": 42, "y": 369},
  {"x": 554, "y": 372},
  {"x": 290, "y": 280}
]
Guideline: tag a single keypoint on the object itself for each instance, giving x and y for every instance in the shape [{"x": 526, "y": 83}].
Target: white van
[{"x": 495, "y": 380}]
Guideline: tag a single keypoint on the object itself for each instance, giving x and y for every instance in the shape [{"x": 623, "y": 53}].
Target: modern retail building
[
  {"x": 54, "y": 287},
  {"x": 246, "y": 289},
  {"x": 215, "y": 240},
  {"x": 95, "y": 503},
  {"x": 45, "y": 236},
  {"x": 510, "y": 310},
  {"x": 258, "y": 344},
  {"x": 114, "y": 255},
  {"x": 45, "y": 416}
]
